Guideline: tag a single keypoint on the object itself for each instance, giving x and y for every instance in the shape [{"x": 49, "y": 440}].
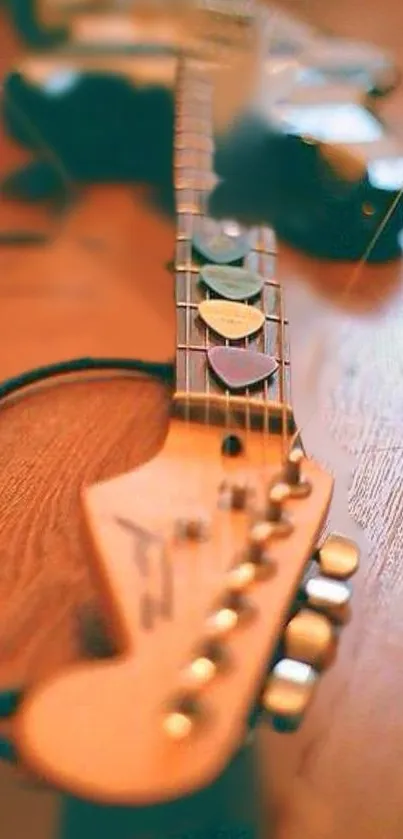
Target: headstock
[{"x": 198, "y": 565}]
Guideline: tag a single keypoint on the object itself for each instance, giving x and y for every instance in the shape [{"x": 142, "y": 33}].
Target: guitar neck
[{"x": 193, "y": 178}]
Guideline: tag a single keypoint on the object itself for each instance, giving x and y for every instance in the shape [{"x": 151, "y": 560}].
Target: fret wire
[
  {"x": 282, "y": 375},
  {"x": 189, "y": 198}
]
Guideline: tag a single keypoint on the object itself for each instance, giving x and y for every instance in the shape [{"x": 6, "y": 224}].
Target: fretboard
[{"x": 194, "y": 177}]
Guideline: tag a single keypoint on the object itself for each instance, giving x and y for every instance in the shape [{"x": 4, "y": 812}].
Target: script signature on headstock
[{"x": 148, "y": 548}]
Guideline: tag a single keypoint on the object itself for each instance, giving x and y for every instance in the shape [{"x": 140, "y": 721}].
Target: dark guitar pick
[
  {"x": 219, "y": 247},
  {"x": 238, "y": 368}
]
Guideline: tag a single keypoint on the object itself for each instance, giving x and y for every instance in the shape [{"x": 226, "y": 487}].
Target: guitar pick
[
  {"x": 219, "y": 247},
  {"x": 239, "y": 368},
  {"x": 231, "y": 283},
  {"x": 231, "y": 320}
]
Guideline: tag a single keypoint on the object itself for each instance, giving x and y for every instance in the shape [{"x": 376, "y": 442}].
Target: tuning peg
[
  {"x": 311, "y": 638},
  {"x": 288, "y": 692},
  {"x": 241, "y": 576},
  {"x": 338, "y": 557},
  {"x": 298, "y": 486},
  {"x": 277, "y": 495},
  {"x": 255, "y": 562},
  {"x": 194, "y": 527},
  {"x": 257, "y": 547},
  {"x": 210, "y": 659},
  {"x": 330, "y": 596},
  {"x": 181, "y": 717},
  {"x": 231, "y": 610},
  {"x": 235, "y": 494}
]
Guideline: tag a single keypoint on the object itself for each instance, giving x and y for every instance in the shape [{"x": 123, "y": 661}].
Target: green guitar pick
[
  {"x": 219, "y": 247},
  {"x": 230, "y": 282}
]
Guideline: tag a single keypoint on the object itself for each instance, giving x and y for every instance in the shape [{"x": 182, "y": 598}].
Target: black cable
[{"x": 163, "y": 371}]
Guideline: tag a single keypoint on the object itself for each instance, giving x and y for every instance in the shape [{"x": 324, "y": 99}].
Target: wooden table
[{"x": 340, "y": 777}]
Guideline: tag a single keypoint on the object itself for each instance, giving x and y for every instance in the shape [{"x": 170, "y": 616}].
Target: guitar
[{"x": 202, "y": 556}]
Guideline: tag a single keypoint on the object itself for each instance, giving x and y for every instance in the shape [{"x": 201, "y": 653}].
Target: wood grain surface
[{"x": 100, "y": 288}]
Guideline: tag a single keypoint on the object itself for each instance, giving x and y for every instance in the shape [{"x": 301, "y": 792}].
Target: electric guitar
[{"x": 206, "y": 558}]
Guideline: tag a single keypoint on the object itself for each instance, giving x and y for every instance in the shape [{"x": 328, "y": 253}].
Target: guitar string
[
  {"x": 203, "y": 156},
  {"x": 189, "y": 156},
  {"x": 230, "y": 414},
  {"x": 193, "y": 168}
]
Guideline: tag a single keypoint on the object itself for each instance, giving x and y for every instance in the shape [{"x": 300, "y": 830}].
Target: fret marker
[
  {"x": 238, "y": 368},
  {"x": 232, "y": 321},
  {"x": 231, "y": 283},
  {"x": 220, "y": 248}
]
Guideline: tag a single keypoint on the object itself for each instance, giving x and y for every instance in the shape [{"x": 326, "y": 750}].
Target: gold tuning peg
[
  {"x": 338, "y": 557},
  {"x": 311, "y": 638},
  {"x": 288, "y": 693}
]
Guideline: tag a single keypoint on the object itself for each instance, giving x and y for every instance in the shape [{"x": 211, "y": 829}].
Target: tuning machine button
[
  {"x": 329, "y": 596},
  {"x": 338, "y": 557},
  {"x": 298, "y": 486},
  {"x": 311, "y": 638},
  {"x": 181, "y": 717},
  {"x": 288, "y": 693}
]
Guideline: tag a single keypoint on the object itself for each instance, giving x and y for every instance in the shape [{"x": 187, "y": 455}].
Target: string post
[
  {"x": 259, "y": 537},
  {"x": 236, "y": 493},
  {"x": 194, "y": 527},
  {"x": 274, "y": 516},
  {"x": 276, "y": 497},
  {"x": 180, "y": 719},
  {"x": 298, "y": 486}
]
